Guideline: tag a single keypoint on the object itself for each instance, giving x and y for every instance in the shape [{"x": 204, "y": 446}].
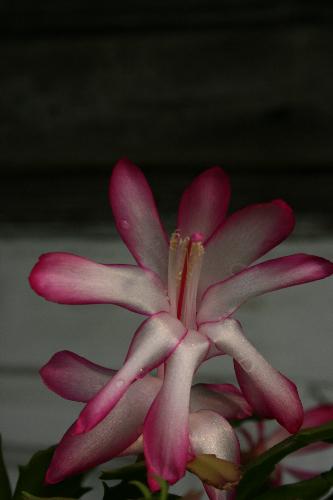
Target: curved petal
[
  {"x": 135, "y": 448},
  {"x": 248, "y": 439},
  {"x": 109, "y": 438},
  {"x": 166, "y": 446},
  {"x": 74, "y": 377},
  {"x": 276, "y": 478},
  {"x": 223, "y": 298},
  {"x": 245, "y": 236},
  {"x": 313, "y": 417},
  {"x": 69, "y": 279},
  {"x": 137, "y": 219},
  {"x": 215, "y": 494},
  {"x": 212, "y": 434},
  {"x": 300, "y": 474},
  {"x": 318, "y": 415},
  {"x": 204, "y": 203},
  {"x": 279, "y": 395},
  {"x": 153, "y": 342},
  {"x": 224, "y": 399},
  {"x": 269, "y": 393}
]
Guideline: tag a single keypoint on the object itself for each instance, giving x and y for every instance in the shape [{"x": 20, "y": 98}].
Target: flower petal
[
  {"x": 223, "y": 298},
  {"x": 121, "y": 428},
  {"x": 69, "y": 279},
  {"x": 166, "y": 446},
  {"x": 318, "y": 415},
  {"x": 313, "y": 417},
  {"x": 269, "y": 393},
  {"x": 245, "y": 236},
  {"x": 74, "y": 377},
  {"x": 224, "y": 399},
  {"x": 153, "y": 342},
  {"x": 135, "y": 448},
  {"x": 215, "y": 494},
  {"x": 204, "y": 203},
  {"x": 212, "y": 434},
  {"x": 300, "y": 474},
  {"x": 137, "y": 218}
]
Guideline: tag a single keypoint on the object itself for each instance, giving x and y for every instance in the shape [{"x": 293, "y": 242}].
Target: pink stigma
[{"x": 197, "y": 238}]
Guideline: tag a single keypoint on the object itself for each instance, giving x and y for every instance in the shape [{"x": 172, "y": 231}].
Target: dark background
[{"x": 174, "y": 85}]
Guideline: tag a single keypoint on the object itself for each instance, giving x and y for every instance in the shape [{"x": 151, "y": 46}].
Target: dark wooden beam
[
  {"x": 259, "y": 98},
  {"x": 31, "y": 18},
  {"x": 77, "y": 200}
]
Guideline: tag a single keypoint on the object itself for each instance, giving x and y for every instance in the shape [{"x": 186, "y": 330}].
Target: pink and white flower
[
  {"x": 189, "y": 287},
  {"x": 120, "y": 433}
]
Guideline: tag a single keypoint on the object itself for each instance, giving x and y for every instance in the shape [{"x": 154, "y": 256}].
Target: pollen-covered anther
[
  {"x": 174, "y": 240},
  {"x": 177, "y": 258},
  {"x": 197, "y": 251}
]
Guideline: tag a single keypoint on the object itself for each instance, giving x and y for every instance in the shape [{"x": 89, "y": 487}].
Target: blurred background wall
[{"x": 176, "y": 87}]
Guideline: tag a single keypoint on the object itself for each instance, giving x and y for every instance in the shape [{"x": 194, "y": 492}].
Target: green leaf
[
  {"x": 121, "y": 491},
  {"x": 136, "y": 471},
  {"x": 133, "y": 484},
  {"x": 306, "y": 490},
  {"x": 164, "y": 493},
  {"x": 257, "y": 472},
  {"x": 127, "y": 474},
  {"x": 5, "y": 490},
  {"x": 28, "y": 496},
  {"x": 31, "y": 480},
  {"x": 143, "y": 489},
  {"x": 214, "y": 471}
]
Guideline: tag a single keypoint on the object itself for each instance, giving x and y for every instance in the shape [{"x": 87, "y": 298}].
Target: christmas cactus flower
[
  {"x": 261, "y": 441},
  {"x": 120, "y": 433},
  {"x": 189, "y": 287}
]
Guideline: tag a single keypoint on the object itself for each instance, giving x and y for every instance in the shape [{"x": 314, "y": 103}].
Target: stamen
[
  {"x": 177, "y": 254},
  {"x": 172, "y": 290},
  {"x": 181, "y": 288},
  {"x": 197, "y": 238},
  {"x": 196, "y": 252},
  {"x": 185, "y": 258}
]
